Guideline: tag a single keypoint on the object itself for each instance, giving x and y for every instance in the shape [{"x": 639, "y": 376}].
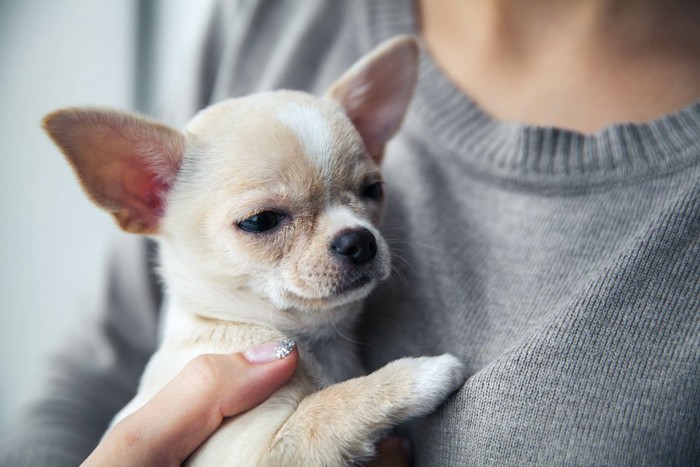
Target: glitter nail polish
[{"x": 269, "y": 351}]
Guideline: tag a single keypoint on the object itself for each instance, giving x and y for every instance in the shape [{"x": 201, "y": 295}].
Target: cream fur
[{"x": 229, "y": 289}]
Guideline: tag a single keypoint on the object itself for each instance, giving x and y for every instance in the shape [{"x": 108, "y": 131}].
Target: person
[{"x": 544, "y": 212}]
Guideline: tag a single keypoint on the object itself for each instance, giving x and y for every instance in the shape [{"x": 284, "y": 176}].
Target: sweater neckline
[{"x": 523, "y": 154}]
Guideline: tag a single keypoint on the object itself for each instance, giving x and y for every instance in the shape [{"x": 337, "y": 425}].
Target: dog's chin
[{"x": 346, "y": 292}]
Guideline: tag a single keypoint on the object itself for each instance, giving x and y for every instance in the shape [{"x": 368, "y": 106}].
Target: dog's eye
[
  {"x": 373, "y": 191},
  {"x": 261, "y": 222}
]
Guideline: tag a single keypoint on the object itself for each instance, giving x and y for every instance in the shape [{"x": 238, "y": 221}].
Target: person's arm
[{"x": 96, "y": 370}]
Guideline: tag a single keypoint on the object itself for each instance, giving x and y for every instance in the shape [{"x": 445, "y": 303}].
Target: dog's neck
[
  {"x": 328, "y": 355},
  {"x": 196, "y": 309}
]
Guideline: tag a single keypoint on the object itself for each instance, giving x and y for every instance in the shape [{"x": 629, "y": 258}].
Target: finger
[
  {"x": 210, "y": 388},
  {"x": 393, "y": 452},
  {"x": 188, "y": 409}
]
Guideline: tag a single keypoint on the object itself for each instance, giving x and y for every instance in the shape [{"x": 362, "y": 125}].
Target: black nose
[{"x": 359, "y": 246}]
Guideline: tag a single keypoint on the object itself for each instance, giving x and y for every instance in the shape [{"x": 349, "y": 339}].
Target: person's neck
[{"x": 575, "y": 64}]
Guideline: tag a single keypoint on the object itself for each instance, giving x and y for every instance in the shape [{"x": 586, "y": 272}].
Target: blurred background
[{"x": 127, "y": 54}]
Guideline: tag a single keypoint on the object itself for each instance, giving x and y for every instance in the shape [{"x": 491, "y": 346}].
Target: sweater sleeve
[{"x": 96, "y": 370}]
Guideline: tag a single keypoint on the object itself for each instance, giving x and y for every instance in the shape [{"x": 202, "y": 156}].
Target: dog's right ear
[
  {"x": 376, "y": 91},
  {"x": 125, "y": 162}
]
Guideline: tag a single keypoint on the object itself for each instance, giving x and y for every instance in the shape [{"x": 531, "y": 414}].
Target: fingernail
[{"x": 269, "y": 351}]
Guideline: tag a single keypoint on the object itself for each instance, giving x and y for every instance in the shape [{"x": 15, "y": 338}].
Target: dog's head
[{"x": 277, "y": 193}]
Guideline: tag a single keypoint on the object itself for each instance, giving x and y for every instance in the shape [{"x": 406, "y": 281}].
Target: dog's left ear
[
  {"x": 126, "y": 163},
  {"x": 376, "y": 91}
]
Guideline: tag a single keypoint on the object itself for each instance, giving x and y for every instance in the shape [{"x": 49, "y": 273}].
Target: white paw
[{"x": 437, "y": 378}]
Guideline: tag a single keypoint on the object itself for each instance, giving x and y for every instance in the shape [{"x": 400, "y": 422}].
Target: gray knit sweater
[{"x": 563, "y": 268}]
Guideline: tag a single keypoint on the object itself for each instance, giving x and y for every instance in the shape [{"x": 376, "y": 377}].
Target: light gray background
[{"x": 53, "y": 242}]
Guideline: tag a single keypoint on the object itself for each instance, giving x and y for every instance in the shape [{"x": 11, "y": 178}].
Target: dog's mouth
[
  {"x": 349, "y": 290},
  {"x": 353, "y": 284}
]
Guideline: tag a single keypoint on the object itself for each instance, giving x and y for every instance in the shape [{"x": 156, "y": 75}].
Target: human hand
[{"x": 187, "y": 410}]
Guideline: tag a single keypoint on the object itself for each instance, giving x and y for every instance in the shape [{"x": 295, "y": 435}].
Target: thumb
[{"x": 187, "y": 410}]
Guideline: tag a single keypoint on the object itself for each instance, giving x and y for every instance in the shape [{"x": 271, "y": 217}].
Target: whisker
[
  {"x": 337, "y": 330},
  {"x": 399, "y": 274},
  {"x": 400, "y": 262}
]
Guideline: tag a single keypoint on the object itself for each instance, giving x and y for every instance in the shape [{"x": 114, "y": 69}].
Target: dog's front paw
[{"x": 437, "y": 378}]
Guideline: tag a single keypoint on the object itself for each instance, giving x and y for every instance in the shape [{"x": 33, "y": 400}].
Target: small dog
[{"x": 266, "y": 210}]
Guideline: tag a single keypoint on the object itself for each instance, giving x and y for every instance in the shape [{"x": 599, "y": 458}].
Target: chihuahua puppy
[{"x": 266, "y": 210}]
